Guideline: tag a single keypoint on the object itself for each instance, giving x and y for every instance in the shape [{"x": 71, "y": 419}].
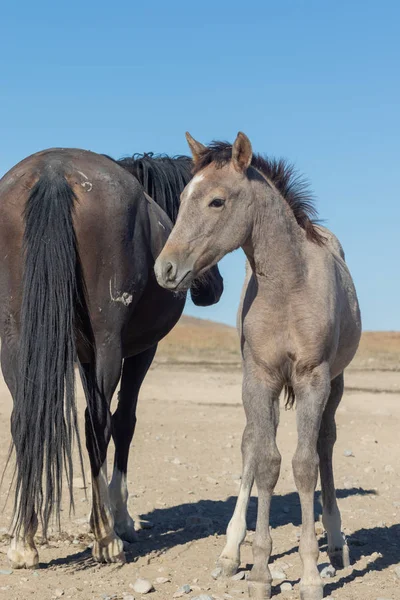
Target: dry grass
[{"x": 198, "y": 340}]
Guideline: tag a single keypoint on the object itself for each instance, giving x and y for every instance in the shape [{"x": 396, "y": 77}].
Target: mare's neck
[{"x": 276, "y": 245}]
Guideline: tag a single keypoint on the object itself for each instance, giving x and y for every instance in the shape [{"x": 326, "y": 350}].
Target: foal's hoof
[
  {"x": 228, "y": 566},
  {"x": 259, "y": 590},
  {"x": 23, "y": 557},
  {"x": 340, "y": 557},
  {"x": 109, "y": 551},
  {"x": 311, "y": 592}
]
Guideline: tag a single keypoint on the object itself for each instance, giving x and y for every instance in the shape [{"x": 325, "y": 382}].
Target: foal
[{"x": 299, "y": 325}]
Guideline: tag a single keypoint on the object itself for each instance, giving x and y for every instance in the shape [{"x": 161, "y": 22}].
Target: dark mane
[
  {"x": 162, "y": 177},
  {"x": 292, "y": 186}
]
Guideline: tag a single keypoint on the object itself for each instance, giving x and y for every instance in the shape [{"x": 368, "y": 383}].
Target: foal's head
[{"x": 214, "y": 212}]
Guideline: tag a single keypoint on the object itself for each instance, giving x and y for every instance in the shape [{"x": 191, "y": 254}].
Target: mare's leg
[
  {"x": 99, "y": 385},
  {"x": 312, "y": 393},
  {"x": 123, "y": 427},
  {"x": 22, "y": 552},
  {"x": 337, "y": 548},
  {"x": 261, "y": 460}
]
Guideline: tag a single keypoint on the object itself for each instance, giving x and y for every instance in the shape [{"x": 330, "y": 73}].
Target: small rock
[
  {"x": 142, "y": 586},
  {"x": 327, "y": 571},
  {"x": 161, "y": 580},
  {"x": 176, "y": 461},
  {"x": 348, "y": 453},
  {"x": 59, "y": 593},
  {"x": 238, "y": 576},
  {"x": 185, "y": 589},
  {"x": 389, "y": 469},
  {"x": 202, "y": 597},
  {"x": 286, "y": 587},
  {"x": 6, "y": 571},
  {"x": 216, "y": 573},
  {"x": 286, "y": 510},
  {"x": 129, "y": 597},
  {"x": 277, "y": 574},
  {"x": 397, "y": 572}
]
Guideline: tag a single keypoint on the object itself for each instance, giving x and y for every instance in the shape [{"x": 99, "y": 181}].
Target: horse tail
[
  {"x": 289, "y": 397},
  {"x": 44, "y": 420}
]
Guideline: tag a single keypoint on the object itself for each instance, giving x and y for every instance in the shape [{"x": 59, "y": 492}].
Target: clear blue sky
[{"x": 314, "y": 81}]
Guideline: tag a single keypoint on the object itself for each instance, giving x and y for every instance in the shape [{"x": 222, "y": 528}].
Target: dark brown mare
[{"x": 79, "y": 235}]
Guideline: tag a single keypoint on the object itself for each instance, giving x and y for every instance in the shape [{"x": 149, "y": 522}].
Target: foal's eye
[{"x": 217, "y": 203}]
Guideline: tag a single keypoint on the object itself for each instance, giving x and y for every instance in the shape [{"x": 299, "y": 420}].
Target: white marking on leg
[
  {"x": 118, "y": 492},
  {"x": 123, "y": 523},
  {"x": 236, "y": 531},
  {"x": 333, "y": 525}
]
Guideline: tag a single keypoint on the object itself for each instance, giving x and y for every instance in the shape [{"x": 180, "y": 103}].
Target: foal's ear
[
  {"x": 196, "y": 148},
  {"x": 242, "y": 153}
]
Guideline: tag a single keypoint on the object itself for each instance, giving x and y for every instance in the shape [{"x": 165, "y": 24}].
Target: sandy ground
[{"x": 184, "y": 476}]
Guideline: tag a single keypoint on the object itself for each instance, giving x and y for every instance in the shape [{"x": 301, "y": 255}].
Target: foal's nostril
[{"x": 169, "y": 272}]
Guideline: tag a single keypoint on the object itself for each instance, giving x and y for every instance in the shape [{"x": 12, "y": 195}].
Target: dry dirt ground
[{"x": 184, "y": 476}]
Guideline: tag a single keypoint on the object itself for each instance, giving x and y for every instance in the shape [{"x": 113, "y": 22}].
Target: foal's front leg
[
  {"x": 261, "y": 460},
  {"x": 312, "y": 392}
]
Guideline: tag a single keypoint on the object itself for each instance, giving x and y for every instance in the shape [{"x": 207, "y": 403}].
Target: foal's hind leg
[
  {"x": 337, "y": 548},
  {"x": 312, "y": 393},
  {"x": 99, "y": 388},
  {"x": 22, "y": 552},
  {"x": 123, "y": 427}
]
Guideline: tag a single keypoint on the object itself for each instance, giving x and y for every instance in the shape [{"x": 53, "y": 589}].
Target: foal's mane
[
  {"x": 283, "y": 175},
  {"x": 162, "y": 177}
]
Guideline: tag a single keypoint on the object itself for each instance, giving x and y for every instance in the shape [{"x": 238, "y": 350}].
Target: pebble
[
  {"x": 389, "y": 469},
  {"x": 142, "y": 586},
  {"x": 216, "y": 573},
  {"x": 348, "y": 453},
  {"x": 6, "y": 571},
  {"x": 327, "y": 571},
  {"x": 286, "y": 587},
  {"x": 185, "y": 589},
  {"x": 286, "y": 510},
  {"x": 161, "y": 580},
  {"x": 202, "y": 597},
  {"x": 238, "y": 576},
  {"x": 59, "y": 593},
  {"x": 397, "y": 572},
  {"x": 129, "y": 597},
  {"x": 277, "y": 574}
]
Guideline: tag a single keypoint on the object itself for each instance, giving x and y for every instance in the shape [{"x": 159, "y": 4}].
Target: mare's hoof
[
  {"x": 109, "y": 552},
  {"x": 23, "y": 557},
  {"x": 311, "y": 592},
  {"x": 228, "y": 566},
  {"x": 340, "y": 557},
  {"x": 259, "y": 590}
]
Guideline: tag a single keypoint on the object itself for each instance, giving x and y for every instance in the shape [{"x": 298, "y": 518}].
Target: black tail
[
  {"x": 290, "y": 397},
  {"x": 44, "y": 420}
]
